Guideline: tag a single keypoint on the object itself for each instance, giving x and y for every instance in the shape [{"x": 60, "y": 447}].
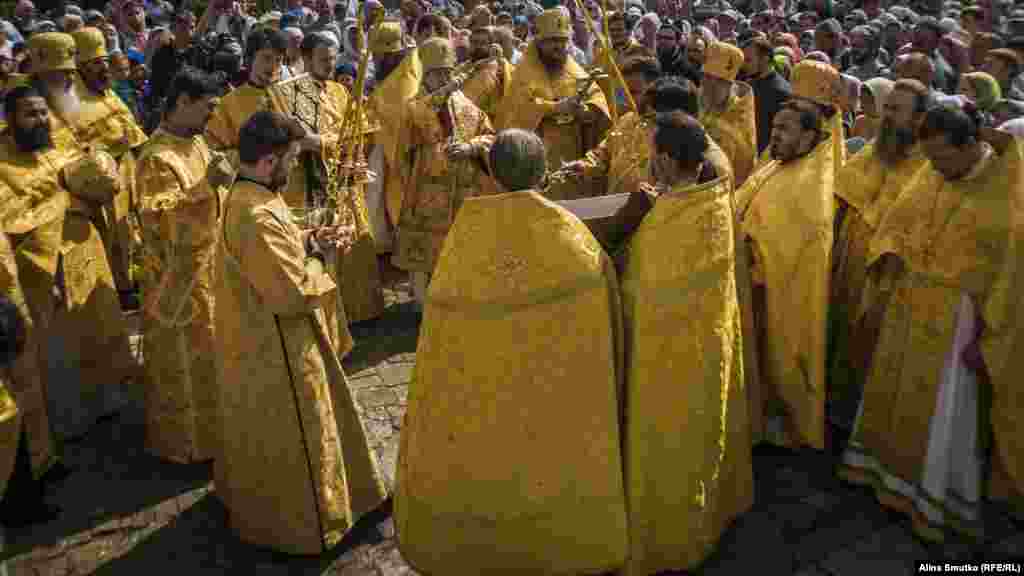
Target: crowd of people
[{"x": 700, "y": 227}]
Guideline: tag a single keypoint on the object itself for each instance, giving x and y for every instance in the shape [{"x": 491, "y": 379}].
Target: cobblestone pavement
[{"x": 125, "y": 513}]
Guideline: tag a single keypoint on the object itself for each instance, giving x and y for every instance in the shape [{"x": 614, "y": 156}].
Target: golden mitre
[
  {"x": 553, "y": 23},
  {"x": 436, "y": 53},
  {"x": 52, "y": 51},
  {"x": 386, "y": 38},
  {"x": 817, "y": 82},
  {"x": 90, "y": 43}
]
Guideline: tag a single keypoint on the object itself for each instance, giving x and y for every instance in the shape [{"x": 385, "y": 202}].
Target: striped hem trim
[{"x": 931, "y": 518}]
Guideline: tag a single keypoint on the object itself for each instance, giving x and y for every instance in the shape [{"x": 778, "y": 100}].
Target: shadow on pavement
[
  {"x": 198, "y": 543},
  {"x": 112, "y": 477}
]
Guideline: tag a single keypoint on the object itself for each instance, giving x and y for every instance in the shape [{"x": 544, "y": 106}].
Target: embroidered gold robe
[
  {"x": 530, "y": 102},
  {"x": 786, "y": 217},
  {"x": 488, "y": 84},
  {"x": 867, "y": 188},
  {"x": 297, "y": 471},
  {"x": 234, "y": 109},
  {"x": 434, "y": 185},
  {"x": 222, "y": 134},
  {"x": 687, "y": 438},
  {"x": 957, "y": 240},
  {"x": 22, "y": 397},
  {"x": 523, "y": 296},
  {"x": 104, "y": 122},
  {"x": 178, "y": 209},
  {"x": 387, "y": 105},
  {"x": 356, "y": 271},
  {"x": 735, "y": 131},
  {"x": 84, "y": 335}
]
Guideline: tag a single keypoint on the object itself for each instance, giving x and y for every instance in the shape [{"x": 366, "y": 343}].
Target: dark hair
[
  {"x": 12, "y": 331},
  {"x": 12, "y": 98},
  {"x": 518, "y": 159},
  {"x": 960, "y": 127},
  {"x": 266, "y": 133},
  {"x": 265, "y": 39},
  {"x": 649, "y": 67},
  {"x": 931, "y": 24},
  {"x": 675, "y": 93},
  {"x": 226, "y": 65},
  {"x": 312, "y": 41},
  {"x": 193, "y": 82},
  {"x": 810, "y": 113},
  {"x": 923, "y": 98},
  {"x": 433, "y": 19},
  {"x": 681, "y": 136}
]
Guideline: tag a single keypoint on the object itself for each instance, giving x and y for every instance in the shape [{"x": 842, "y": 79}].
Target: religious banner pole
[
  {"x": 606, "y": 46},
  {"x": 613, "y": 106}
]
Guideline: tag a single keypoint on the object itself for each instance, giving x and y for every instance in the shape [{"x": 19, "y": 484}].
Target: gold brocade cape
[
  {"x": 434, "y": 186},
  {"x": 954, "y": 237},
  {"x": 355, "y": 270},
  {"x": 386, "y": 106},
  {"x": 488, "y": 84},
  {"x": 103, "y": 122},
  {"x": 234, "y": 109},
  {"x": 735, "y": 131},
  {"x": 282, "y": 389},
  {"x": 51, "y": 228},
  {"x": 520, "y": 322},
  {"x": 786, "y": 215},
  {"x": 178, "y": 210},
  {"x": 531, "y": 98},
  {"x": 687, "y": 438}
]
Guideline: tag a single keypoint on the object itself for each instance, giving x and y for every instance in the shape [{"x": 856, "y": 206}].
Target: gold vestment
[
  {"x": 434, "y": 185},
  {"x": 83, "y": 335},
  {"x": 282, "y": 389},
  {"x": 786, "y": 217},
  {"x": 530, "y": 102},
  {"x": 104, "y": 122},
  {"x": 955, "y": 239},
  {"x": 735, "y": 131},
  {"x": 687, "y": 437},
  {"x": 357, "y": 272},
  {"x": 522, "y": 319},
  {"x": 178, "y": 210},
  {"x": 387, "y": 105}
]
